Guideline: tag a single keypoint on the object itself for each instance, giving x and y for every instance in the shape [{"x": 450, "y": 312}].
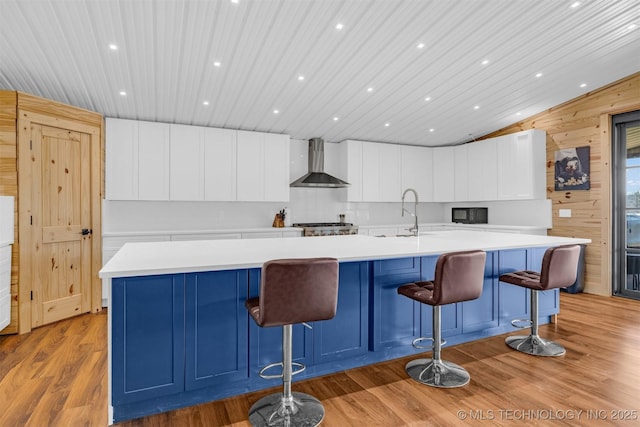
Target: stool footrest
[
  {"x": 521, "y": 323},
  {"x": 262, "y": 374},
  {"x": 417, "y": 343}
]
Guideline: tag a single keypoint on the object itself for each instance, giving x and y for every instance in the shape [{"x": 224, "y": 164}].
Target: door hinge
[
  {"x": 31, "y": 220},
  {"x": 30, "y": 145},
  {"x": 31, "y": 295}
]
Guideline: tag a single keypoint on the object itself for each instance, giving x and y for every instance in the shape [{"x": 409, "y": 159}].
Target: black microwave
[{"x": 469, "y": 215}]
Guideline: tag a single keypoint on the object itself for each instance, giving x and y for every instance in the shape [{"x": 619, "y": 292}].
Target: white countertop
[{"x": 142, "y": 259}]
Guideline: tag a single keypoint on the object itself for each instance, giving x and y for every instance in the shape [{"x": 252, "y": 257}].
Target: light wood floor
[{"x": 57, "y": 376}]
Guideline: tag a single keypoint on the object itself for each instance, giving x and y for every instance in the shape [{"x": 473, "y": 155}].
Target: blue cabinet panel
[
  {"x": 265, "y": 344},
  {"x": 147, "y": 337},
  {"x": 216, "y": 328},
  {"x": 450, "y": 314},
  {"x": 394, "y": 319},
  {"x": 514, "y": 300},
  {"x": 482, "y": 313},
  {"x": 346, "y": 335}
]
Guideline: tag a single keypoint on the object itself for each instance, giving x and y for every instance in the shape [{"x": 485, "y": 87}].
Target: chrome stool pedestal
[
  {"x": 435, "y": 371},
  {"x": 287, "y": 408},
  {"x": 533, "y": 344}
]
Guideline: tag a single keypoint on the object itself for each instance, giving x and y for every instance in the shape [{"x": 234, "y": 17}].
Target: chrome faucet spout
[{"x": 413, "y": 229}]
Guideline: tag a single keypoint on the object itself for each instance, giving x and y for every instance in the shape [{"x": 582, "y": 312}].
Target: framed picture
[{"x": 572, "y": 169}]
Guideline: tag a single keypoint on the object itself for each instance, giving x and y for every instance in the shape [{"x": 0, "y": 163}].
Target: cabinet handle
[{"x": 86, "y": 231}]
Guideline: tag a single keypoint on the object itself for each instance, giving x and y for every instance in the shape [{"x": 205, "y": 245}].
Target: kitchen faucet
[{"x": 413, "y": 229}]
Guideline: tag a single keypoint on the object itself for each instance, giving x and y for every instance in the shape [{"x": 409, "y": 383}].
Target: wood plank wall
[
  {"x": 585, "y": 121},
  {"x": 9, "y": 187},
  {"x": 10, "y": 103}
]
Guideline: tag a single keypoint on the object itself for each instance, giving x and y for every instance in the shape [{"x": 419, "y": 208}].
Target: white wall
[{"x": 305, "y": 205}]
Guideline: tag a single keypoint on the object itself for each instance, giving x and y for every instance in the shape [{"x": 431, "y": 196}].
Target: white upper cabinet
[
  {"x": 522, "y": 165},
  {"x": 187, "y": 163},
  {"x": 262, "y": 166},
  {"x": 443, "y": 174},
  {"x": 351, "y": 157},
  {"x": 121, "y": 171},
  {"x": 276, "y": 167},
  {"x": 373, "y": 171},
  {"x": 416, "y": 169},
  {"x": 137, "y": 155},
  {"x": 482, "y": 171},
  {"x": 220, "y": 164},
  {"x": 153, "y": 161},
  {"x": 461, "y": 173}
]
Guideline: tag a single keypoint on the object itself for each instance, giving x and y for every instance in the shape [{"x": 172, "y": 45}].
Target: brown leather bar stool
[
  {"x": 559, "y": 270},
  {"x": 292, "y": 291},
  {"x": 459, "y": 276}
]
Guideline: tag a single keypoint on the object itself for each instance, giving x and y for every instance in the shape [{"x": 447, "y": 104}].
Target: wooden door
[{"x": 58, "y": 195}]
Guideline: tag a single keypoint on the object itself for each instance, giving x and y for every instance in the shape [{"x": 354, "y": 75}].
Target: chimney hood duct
[{"x": 316, "y": 177}]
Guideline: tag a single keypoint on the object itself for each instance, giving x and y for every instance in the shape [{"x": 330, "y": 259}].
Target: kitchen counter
[
  {"x": 150, "y": 258},
  {"x": 179, "y": 333}
]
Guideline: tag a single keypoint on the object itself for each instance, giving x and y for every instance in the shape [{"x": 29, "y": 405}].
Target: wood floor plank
[{"x": 56, "y": 376}]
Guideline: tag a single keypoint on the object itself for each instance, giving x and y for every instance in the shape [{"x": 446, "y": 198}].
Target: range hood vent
[{"x": 316, "y": 177}]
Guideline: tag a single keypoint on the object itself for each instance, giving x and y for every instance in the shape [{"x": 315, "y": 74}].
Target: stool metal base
[
  {"x": 535, "y": 346},
  {"x": 437, "y": 373},
  {"x": 276, "y": 410}
]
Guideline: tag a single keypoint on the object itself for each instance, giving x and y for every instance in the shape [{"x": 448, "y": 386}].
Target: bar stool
[
  {"x": 559, "y": 270},
  {"x": 292, "y": 291},
  {"x": 459, "y": 276}
]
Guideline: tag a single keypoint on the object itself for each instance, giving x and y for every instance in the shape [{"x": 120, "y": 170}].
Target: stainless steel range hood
[{"x": 316, "y": 177}]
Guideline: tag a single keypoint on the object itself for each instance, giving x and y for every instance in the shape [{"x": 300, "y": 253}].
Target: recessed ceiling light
[
  {"x": 113, "y": 46},
  {"x": 216, "y": 63},
  {"x": 301, "y": 78},
  {"x": 276, "y": 111},
  {"x": 575, "y": 4},
  {"x": 335, "y": 119},
  {"x": 387, "y": 125},
  {"x": 370, "y": 89},
  {"x": 205, "y": 103},
  {"x": 632, "y": 27},
  {"x": 428, "y": 98},
  {"x": 583, "y": 85},
  {"x": 518, "y": 113},
  {"x": 123, "y": 93},
  {"x": 538, "y": 74},
  {"x": 235, "y": 1},
  {"x": 476, "y": 107},
  {"x": 432, "y": 130},
  {"x": 420, "y": 45},
  {"x": 339, "y": 26},
  {"x": 485, "y": 62}
]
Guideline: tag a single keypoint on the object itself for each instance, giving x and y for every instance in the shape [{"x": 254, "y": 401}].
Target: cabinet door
[
  {"x": 121, "y": 174},
  {"x": 216, "y": 328},
  {"x": 352, "y": 154},
  {"x": 147, "y": 337},
  {"x": 482, "y": 170},
  {"x": 482, "y": 313},
  {"x": 416, "y": 171},
  {"x": 187, "y": 163},
  {"x": 514, "y": 300},
  {"x": 276, "y": 167},
  {"x": 250, "y": 166},
  {"x": 153, "y": 161},
  {"x": 220, "y": 164},
  {"x": 346, "y": 335},
  {"x": 461, "y": 178},
  {"x": 443, "y": 174},
  {"x": 396, "y": 319},
  {"x": 390, "y": 174},
  {"x": 521, "y": 165},
  {"x": 371, "y": 173}
]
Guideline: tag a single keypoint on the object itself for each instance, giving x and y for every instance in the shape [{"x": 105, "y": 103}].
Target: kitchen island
[{"x": 179, "y": 334}]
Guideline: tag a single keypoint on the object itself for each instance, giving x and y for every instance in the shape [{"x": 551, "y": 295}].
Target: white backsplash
[{"x": 305, "y": 205}]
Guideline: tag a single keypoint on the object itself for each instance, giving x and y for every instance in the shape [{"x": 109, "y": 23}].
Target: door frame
[{"x": 25, "y": 274}]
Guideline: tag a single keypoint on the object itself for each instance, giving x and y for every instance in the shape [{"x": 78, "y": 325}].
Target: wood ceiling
[{"x": 167, "y": 49}]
